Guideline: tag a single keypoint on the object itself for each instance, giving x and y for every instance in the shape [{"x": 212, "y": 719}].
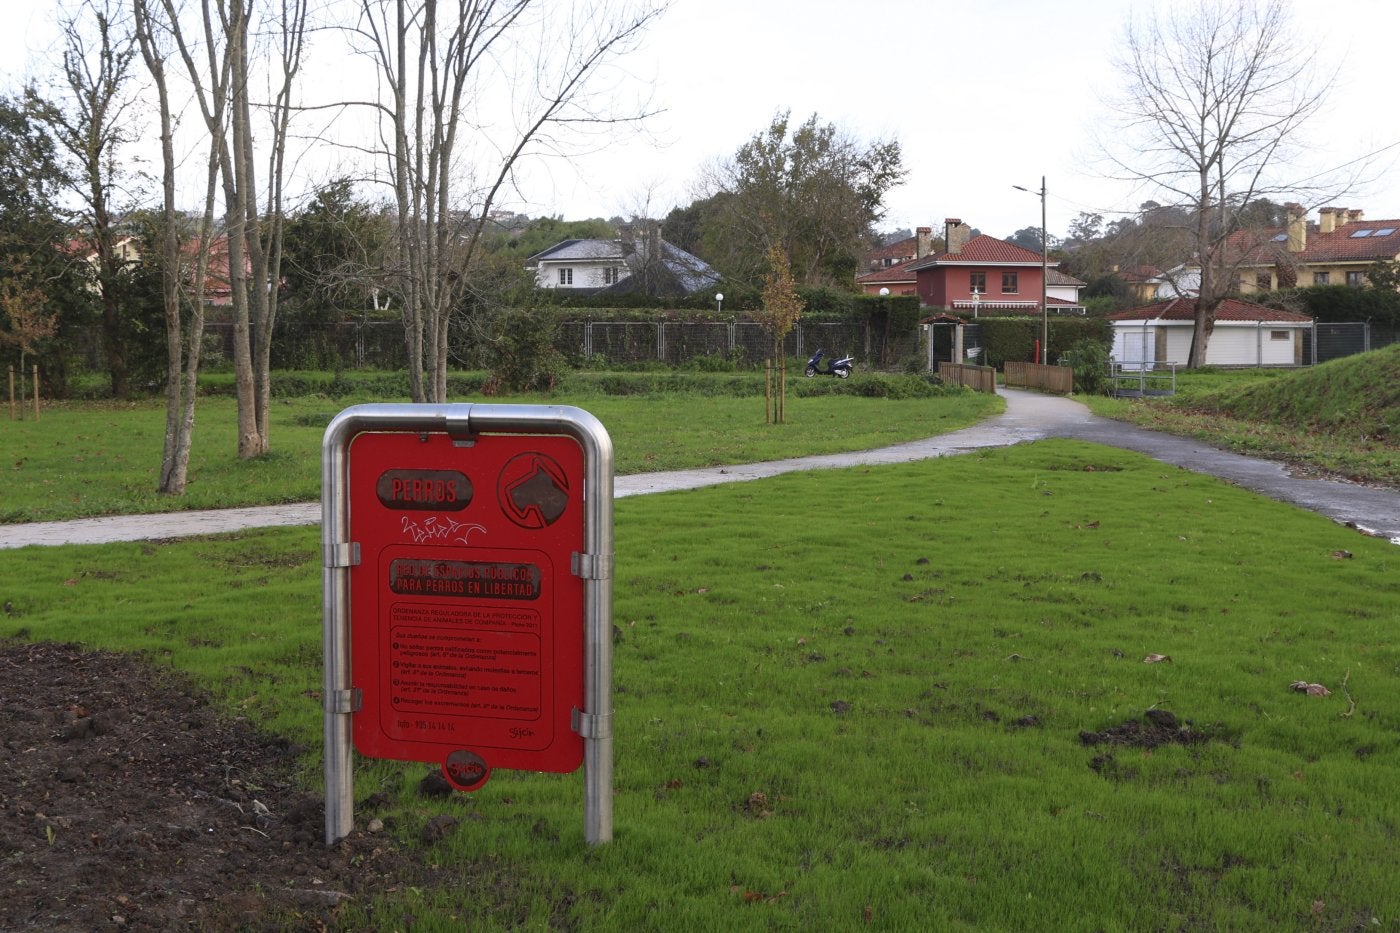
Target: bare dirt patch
[{"x": 126, "y": 803}]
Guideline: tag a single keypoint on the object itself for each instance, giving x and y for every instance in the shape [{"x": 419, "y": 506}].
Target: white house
[
  {"x": 1183, "y": 281},
  {"x": 630, "y": 263},
  {"x": 1062, "y": 292},
  {"x": 1245, "y": 334}
]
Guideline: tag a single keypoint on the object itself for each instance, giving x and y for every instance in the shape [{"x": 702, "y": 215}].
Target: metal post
[
  {"x": 1044, "y": 281},
  {"x": 35, "y": 386}
]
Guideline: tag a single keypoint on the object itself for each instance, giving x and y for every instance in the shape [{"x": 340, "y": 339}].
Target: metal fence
[
  {"x": 676, "y": 342},
  {"x": 380, "y": 344},
  {"x": 1333, "y": 341}
]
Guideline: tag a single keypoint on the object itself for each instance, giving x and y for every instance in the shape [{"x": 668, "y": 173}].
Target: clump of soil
[
  {"x": 1158, "y": 727},
  {"x": 127, "y": 803}
]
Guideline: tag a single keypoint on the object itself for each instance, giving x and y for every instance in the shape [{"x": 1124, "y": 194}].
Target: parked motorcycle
[{"x": 841, "y": 368}]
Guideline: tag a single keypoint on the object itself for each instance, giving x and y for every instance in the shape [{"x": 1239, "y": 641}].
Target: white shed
[{"x": 1245, "y": 334}]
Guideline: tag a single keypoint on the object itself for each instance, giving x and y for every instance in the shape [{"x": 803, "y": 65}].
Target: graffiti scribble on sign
[{"x": 439, "y": 528}]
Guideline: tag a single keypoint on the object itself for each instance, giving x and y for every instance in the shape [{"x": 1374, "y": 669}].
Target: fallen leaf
[
  {"x": 70, "y": 582},
  {"x": 1157, "y": 659}
]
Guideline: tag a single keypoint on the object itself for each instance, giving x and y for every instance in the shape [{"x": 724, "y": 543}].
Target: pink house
[{"x": 979, "y": 273}]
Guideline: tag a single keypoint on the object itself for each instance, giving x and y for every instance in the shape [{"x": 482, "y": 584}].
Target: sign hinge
[
  {"x": 591, "y": 725},
  {"x": 344, "y": 554},
  {"x": 591, "y": 566},
  {"x": 345, "y": 701}
]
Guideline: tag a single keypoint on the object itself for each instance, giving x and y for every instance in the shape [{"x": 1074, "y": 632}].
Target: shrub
[
  {"x": 1089, "y": 359},
  {"x": 520, "y": 353}
]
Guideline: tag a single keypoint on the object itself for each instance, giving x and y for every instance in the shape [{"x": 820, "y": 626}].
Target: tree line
[{"x": 1213, "y": 99}]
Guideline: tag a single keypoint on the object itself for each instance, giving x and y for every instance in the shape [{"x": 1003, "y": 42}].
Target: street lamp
[
  {"x": 1044, "y": 274},
  {"x": 719, "y": 302}
]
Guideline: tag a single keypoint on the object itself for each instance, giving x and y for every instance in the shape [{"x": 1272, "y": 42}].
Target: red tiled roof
[
  {"x": 904, "y": 272},
  {"x": 1263, "y": 248},
  {"x": 1231, "y": 309},
  {"x": 1056, "y": 277},
  {"x": 1140, "y": 275},
  {"x": 981, "y": 250},
  {"x": 899, "y": 249}
]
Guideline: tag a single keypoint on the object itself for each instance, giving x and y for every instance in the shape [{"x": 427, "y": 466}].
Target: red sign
[{"x": 466, "y": 620}]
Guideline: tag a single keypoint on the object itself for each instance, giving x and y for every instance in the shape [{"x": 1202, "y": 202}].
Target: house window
[
  {"x": 1321, "y": 278},
  {"x": 1356, "y": 279},
  {"x": 1010, "y": 283},
  {"x": 1263, "y": 281},
  {"x": 610, "y": 275},
  {"x": 1280, "y": 335},
  {"x": 977, "y": 282},
  {"x": 566, "y": 276}
]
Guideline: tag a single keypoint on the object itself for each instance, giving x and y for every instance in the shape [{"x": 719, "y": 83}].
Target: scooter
[{"x": 839, "y": 368}]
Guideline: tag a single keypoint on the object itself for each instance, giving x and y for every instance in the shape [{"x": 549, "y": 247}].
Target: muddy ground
[{"x": 127, "y": 804}]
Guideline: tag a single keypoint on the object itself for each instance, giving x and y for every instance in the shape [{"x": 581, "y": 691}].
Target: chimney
[
  {"x": 1354, "y": 216},
  {"x": 653, "y": 242},
  {"x": 1327, "y": 220},
  {"x": 956, "y": 234},
  {"x": 924, "y": 236},
  {"x": 1297, "y": 227}
]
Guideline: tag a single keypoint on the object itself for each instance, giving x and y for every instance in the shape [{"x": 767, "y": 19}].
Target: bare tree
[
  {"x": 183, "y": 339},
  {"x": 1215, "y": 97},
  {"x": 253, "y": 222},
  {"x": 93, "y": 125},
  {"x": 448, "y": 72}
]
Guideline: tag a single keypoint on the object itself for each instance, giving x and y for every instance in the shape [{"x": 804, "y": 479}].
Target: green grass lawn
[
  {"x": 890, "y": 697},
  {"x": 103, "y": 458},
  {"x": 1341, "y": 417}
]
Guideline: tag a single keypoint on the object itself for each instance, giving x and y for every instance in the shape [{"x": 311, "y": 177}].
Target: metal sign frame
[{"x": 593, "y": 565}]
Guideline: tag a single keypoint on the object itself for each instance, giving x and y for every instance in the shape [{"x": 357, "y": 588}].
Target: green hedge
[
  {"x": 1014, "y": 338},
  {"x": 393, "y": 385},
  {"x": 1336, "y": 304}
]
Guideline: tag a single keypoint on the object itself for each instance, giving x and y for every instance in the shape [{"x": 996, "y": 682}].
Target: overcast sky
[{"x": 980, "y": 95}]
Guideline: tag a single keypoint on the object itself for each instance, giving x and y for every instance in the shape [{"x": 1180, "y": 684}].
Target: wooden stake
[{"x": 767, "y": 391}]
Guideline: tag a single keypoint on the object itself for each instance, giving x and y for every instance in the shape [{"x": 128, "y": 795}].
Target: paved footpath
[{"x": 1029, "y": 416}]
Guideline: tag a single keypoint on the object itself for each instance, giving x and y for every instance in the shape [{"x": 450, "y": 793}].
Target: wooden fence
[
  {"x": 981, "y": 378},
  {"x": 1035, "y": 376}
]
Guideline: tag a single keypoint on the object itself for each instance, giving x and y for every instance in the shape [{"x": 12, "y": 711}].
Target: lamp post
[
  {"x": 1044, "y": 274},
  {"x": 719, "y": 302}
]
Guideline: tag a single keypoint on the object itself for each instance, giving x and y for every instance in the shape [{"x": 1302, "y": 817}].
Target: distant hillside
[{"x": 1357, "y": 396}]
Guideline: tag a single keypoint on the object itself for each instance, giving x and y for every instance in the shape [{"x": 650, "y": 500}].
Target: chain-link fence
[
  {"x": 1333, "y": 341},
  {"x": 380, "y": 344},
  {"x": 744, "y": 343}
]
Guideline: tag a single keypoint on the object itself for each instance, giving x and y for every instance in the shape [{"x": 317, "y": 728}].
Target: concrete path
[{"x": 1029, "y": 416}]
